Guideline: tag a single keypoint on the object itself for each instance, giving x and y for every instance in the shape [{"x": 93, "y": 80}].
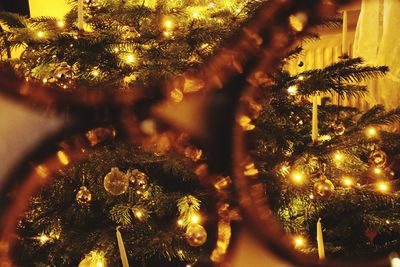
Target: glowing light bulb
[
  {"x": 116, "y": 50},
  {"x": 195, "y": 15},
  {"x": 95, "y": 73},
  {"x": 180, "y": 222},
  {"x": 338, "y": 157},
  {"x": 40, "y": 34},
  {"x": 43, "y": 239},
  {"x": 139, "y": 214},
  {"x": 168, "y": 24},
  {"x": 347, "y": 181},
  {"x": 377, "y": 171},
  {"x": 292, "y": 90},
  {"x": 60, "y": 24},
  {"x": 311, "y": 196},
  {"x": 195, "y": 219},
  {"x": 301, "y": 78},
  {"x": 371, "y": 132},
  {"x": 44, "y": 80},
  {"x": 297, "y": 178},
  {"x": 130, "y": 58},
  {"x": 299, "y": 241},
  {"x": 382, "y": 187}
]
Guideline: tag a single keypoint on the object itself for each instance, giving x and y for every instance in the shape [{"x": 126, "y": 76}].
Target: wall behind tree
[{"x": 54, "y": 8}]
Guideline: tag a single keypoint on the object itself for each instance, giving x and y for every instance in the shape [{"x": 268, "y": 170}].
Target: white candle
[
  {"x": 314, "y": 134},
  {"x": 80, "y": 14},
  {"x": 320, "y": 241},
  {"x": 345, "y": 48},
  {"x": 122, "y": 252}
]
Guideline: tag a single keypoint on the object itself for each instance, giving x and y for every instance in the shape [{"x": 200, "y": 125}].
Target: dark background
[{"x": 17, "y": 6}]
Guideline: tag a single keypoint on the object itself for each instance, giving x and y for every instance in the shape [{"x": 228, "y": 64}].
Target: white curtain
[{"x": 377, "y": 40}]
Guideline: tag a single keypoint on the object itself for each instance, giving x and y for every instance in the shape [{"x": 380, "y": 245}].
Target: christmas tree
[
  {"x": 328, "y": 161},
  {"x": 118, "y": 44}
]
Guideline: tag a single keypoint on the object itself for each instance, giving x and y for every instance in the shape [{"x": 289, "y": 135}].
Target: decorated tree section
[
  {"x": 328, "y": 163},
  {"x": 120, "y": 43},
  {"x": 119, "y": 205}
]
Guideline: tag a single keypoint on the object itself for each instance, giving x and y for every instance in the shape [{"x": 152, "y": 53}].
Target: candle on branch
[
  {"x": 320, "y": 241},
  {"x": 314, "y": 134},
  {"x": 122, "y": 251},
  {"x": 344, "y": 34},
  {"x": 80, "y": 14}
]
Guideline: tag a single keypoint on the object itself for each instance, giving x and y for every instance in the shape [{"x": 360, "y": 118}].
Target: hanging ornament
[
  {"x": 94, "y": 259},
  {"x": 116, "y": 182},
  {"x": 378, "y": 159},
  {"x": 313, "y": 167},
  {"x": 92, "y": 4},
  {"x": 196, "y": 235},
  {"x": 64, "y": 75},
  {"x": 141, "y": 182},
  {"x": 324, "y": 187},
  {"x": 83, "y": 196},
  {"x": 338, "y": 128}
]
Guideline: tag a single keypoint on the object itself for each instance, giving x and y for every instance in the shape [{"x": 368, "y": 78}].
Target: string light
[
  {"x": 168, "y": 24},
  {"x": 297, "y": 178},
  {"x": 130, "y": 58},
  {"x": 347, "y": 181},
  {"x": 377, "y": 171},
  {"x": 382, "y": 187},
  {"x": 60, "y": 24},
  {"x": 195, "y": 15},
  {"x": 43, "y": 239},
  {"x": 195, "y": 219},
  {"x": 95, "y": 73},
  {"x": 338, "y": 157},
  {"x": 292, "y": 90},
  {"x": 299, "y": 241},
  {"x": 180, "y": 222},
  {"x": 371, "y": 132},
  {"x": 301, "y": 78},
  {"x": 40, "y": 34}
]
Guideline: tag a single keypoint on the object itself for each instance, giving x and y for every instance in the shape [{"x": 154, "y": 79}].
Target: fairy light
[
  {"x": 44, "y": 80},
  {"x": 301, "y": 78},
  {"x": 394, "y": 259},
  {"x": 297, "y": 178},
  {"x": 338, "y": 157},
  {"x": 180, "y": 222},
  {"x": 130, "y": 58},
  {"x": 195, "y": 15},
  {"x": 347, "y": 181},
  {"x": 139, "y": 214},
  {"x": 299, "y": 241},
  {"x": 43, "y": 239},
  {"x": 371, "y": 132},
  {"x": 195, "y": 219},
  {"x": 377, "y": 171},
  {"x": 40, "y": 34},
  {"x": 383, "y": 187},
  {"x": 95, "y": 73},
  {"x": 116, "y": 49},
  {"x": 292, "y": 90},
  {"x": 311, "y": 196},
  {"x": 168, "y": 24},
  {"x": 60, "y": 24}
]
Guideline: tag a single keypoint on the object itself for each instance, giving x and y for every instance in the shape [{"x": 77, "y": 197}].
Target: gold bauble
[
  {"x": 141, "y": 181},
  {"x": 196, "y": 235},
  {"x": 83, "y": 196},
  {"x": 324, "y": 187},
  {"x": 338, "y": 128},
  {"x": 378, "y": 159},
  {"x": 116, "y": 182},
  {"x": 64, "y": 75}
]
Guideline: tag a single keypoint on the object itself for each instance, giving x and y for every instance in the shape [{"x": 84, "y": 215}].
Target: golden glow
[
  {"x": 378, "y": 171},
  {"x": 130, "y": 58},
  {"x": 347, "y": 181},
  {"x": 40, "y": 34},
  {"x": 246, "y": 124},
  {"x": 299, "y": 242},
  {"x": 298, "y": 21},
  {"x": 180, "y": 222},
  {"x": 168, "y": 24},
  {"x": 338, "y": 157},
  {"x": 371, "y": 132},
  {"x": 297, "y": 178},
  {"x": 95, "y": 73},
  {"x": 311, "y": 196},
  {"x": 176, "y": 95},
  {"x": 382, "y": 187},
  {"x": 60, "y": 24},
  {"x": 43, "y": 239},
  {"x": 138, "y": 214},
  {"x": 292, "y": 90},
  {"x": 63, "y": 157},
  {"x": 250, "y": 170},
  {"x": 195, "y": 219},
  {"x": 42, "y": 171},
  {"x": 195, "y": 15},
  {"x": 301, "y": 78},
  {"x": 167, "y": 34},
  {"x": 44, "y": 80},
  {"x": 387, "y": 222},
  {"x": 116, "y": 50}
]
